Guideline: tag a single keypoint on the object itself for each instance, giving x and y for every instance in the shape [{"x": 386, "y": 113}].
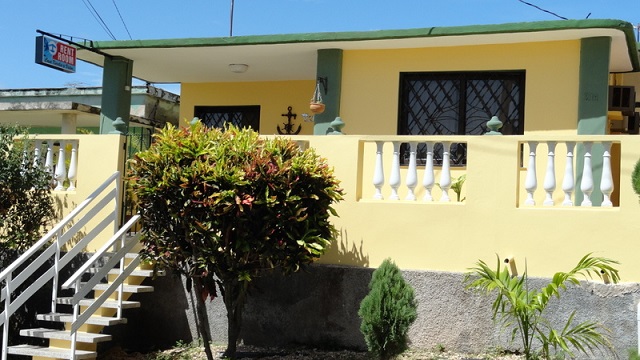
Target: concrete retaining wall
[{"x": 319, "y": 308}]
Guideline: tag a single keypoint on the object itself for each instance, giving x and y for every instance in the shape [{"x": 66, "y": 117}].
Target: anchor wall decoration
[{"x": 288, "y": 126}]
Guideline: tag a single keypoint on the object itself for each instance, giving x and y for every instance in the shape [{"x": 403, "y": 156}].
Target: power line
[
  {"x": 121, "y": 19},
  {"x": 98, "y": 18},
  {"x": 541, "y": 9}
]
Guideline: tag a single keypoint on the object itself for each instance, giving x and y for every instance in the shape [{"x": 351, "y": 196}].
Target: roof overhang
[{"x": 294, "y": 56}]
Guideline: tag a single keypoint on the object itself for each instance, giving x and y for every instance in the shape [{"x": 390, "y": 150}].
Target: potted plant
[{"x": 316, "y": 105}]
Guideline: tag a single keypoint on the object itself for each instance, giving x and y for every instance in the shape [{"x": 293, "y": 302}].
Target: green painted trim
[
  {"x": 592, "y": 108},
  {"x": 330, "y": 67},
  {"x": 116, "y": 93},
  {"x": 523, "y": 27},
  {"x": 593, "y": 86}
]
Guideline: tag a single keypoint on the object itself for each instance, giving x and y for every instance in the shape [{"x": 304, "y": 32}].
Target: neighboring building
[
  {"x": 415, "y": 103},
  {"x": 64, "y": 110}
]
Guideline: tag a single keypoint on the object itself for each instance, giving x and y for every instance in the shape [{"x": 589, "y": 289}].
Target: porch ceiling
[{"x": 293, "y": 57}]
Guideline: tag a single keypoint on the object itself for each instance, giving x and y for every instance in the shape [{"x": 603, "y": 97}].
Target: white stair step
[
  {"x": 53, "y": 353},
  {"x": 127, "y": 255},
  {"x": 83, "y": 337},
  {"x": 111, "y": 304},
  {"x": 127, "y": 288},
  {"x": 140, "y": 272},
  {"x": 93, "y": 320}
]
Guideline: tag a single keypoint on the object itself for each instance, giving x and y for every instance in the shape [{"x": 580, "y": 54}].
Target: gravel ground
[{"x": 250, "y": 352}]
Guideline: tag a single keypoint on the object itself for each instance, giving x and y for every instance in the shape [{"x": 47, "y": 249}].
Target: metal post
[
  {"x": 5, "y": 329},
  {"x": 74, "y": 332},
  {"x": 56, "y": 265}
]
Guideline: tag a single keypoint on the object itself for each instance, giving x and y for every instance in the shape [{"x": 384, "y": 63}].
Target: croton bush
[{"x": 221, "y": 206}]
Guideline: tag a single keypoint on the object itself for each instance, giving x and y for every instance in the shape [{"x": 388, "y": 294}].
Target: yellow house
[{"x": 429, "y": 183}]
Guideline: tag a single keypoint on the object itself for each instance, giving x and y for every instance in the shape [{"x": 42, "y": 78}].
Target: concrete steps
[
  {"x": 83, "y": 337},
  {"x": 96, "y": 322},
  {"x": 47, "y": 352}
]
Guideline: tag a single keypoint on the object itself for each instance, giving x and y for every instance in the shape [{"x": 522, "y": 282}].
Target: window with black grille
[
  {"x": 459, "y": 103},
  {"x": 240, "y": 116}
]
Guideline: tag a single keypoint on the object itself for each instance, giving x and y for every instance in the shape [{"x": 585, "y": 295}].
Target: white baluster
[
  {"x": 73, "y": 166},
  {"x": 586, "y": 185},
  {"x": 549, "y": 184},
  {"x": 48, "y": 162},
  {"x": 378, "y": 172},
  {"x": 445, "y": 175},
  {"x": 394, "y": 178},
  {"x": 606, "y": 183},
  {"x": 531, "y": 182},
  {"x": 412, "y": 172},
  {"x": 428, "y": 179},
  {"x": 37, "y": 159},
  {"x": 61, "y": 167},
  {"x": 568, "y": 183}
]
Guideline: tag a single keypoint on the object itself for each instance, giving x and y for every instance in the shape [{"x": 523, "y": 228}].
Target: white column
[
  {"x": 586, "y": 185},
  {"x": 73, "y": 166},
  {"x": 531, "y": 181},
  {"x": 606, "y": 183},
  {"x": 445, "y": 175},
  {"x": 549, "y": 184},
  {"x": 61, "y": 167},
  {"x": 412, "y": 172},
  {"x": 378, "y": 172},
  {"x": 428, "y": 180},
  {"x": 568, "y": 183},
  {"x": 394, "y": 178},
  {"x": 69, "y": 123}
]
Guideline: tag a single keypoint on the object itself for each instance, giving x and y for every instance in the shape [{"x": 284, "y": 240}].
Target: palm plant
[{"x": 522, "y": 309}]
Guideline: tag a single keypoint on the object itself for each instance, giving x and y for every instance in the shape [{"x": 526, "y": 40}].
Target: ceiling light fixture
[{"x": 238, "y": 68}]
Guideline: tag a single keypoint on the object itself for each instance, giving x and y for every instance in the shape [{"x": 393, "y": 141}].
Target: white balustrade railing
[
  {"x": 58, "y": 157},
  {"x": 569, "y": 184},
  {"x": 551, "y": 171},
  {"x": 429, "y": 170}
]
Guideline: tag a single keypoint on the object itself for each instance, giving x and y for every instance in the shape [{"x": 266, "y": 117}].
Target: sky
[{"x": 162, "y": 19}]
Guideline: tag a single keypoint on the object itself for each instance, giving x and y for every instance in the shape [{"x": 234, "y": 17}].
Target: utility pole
[{"x": 231, "y": 20}]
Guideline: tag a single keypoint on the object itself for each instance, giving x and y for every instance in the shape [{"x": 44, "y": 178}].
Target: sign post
[{"x": 55, "y": 54}]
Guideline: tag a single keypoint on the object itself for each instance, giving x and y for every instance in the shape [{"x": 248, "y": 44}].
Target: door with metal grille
[
  {"x": 460, "y": 103},
  {"x": 240, "y": 116}
]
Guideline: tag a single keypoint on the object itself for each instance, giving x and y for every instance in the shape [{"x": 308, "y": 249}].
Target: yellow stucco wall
[
  {"x": 274, "y": 97},
  {"x": 369, "y": 103},
  {"x": 492, "y": 220},
  {"x": 99, "y": 156}
]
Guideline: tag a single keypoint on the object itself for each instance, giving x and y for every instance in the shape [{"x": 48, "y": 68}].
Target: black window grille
[
  {"x": 240, "y": 116},
  {"x": 459, "y": 103}
]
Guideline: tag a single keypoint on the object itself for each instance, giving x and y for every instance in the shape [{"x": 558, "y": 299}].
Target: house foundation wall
[{"x": 319, "y": 308}]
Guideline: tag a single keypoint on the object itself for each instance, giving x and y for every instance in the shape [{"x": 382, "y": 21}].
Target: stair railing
[
  {"x": 52, "y": 243},
  {"x": 121, "y": 243}
]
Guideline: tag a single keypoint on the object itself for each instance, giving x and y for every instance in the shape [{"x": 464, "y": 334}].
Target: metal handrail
[
  {"x": 61, "y": 236},
  {"x": 121, "y": 249}
]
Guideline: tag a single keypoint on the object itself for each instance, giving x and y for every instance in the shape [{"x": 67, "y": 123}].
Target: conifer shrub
[
  {"x": 635, "y": 178},
  {"x": 387, "y": 312}
]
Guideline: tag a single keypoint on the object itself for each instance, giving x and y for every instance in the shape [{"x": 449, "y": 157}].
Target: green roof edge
[{"x": 521, "y": 27}]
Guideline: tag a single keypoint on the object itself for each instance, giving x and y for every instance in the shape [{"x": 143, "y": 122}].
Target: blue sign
[{"x": 55, "y": 54}]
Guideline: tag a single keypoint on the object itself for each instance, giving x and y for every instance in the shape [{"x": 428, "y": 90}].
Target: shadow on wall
[
  {"x": 342, "y": 252},
  {"x": 163, "y": 318},
  {"x": 316, "y": 307},
  {"x": 62, "y": 206}
]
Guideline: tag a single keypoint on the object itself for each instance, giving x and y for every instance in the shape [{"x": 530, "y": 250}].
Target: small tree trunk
[
  {"x": 203, "y": 322},
  {"x": 234, "y": 296}
]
